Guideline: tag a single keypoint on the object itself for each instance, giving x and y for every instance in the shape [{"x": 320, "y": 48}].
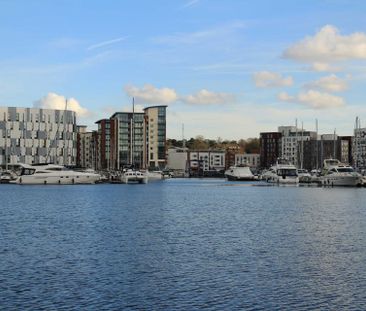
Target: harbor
[{"x": 182, "y": 244}]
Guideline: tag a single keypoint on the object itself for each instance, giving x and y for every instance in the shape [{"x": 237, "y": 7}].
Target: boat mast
[
  {"x": 302, "y": 145},
  {"x": 334, "y": 144},
  {"x": 317, "y": 145},
  {"x": 297, "y": 143},
  {"x": 6, "y": 146},
  {"x": 133, "y": 133}
]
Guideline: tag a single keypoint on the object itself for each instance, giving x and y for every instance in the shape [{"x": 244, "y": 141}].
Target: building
[
  {"x": 206, "y": 162},
  {"x": 292, "y": 140},
  {"x": 36, "y": 135},
  {"x": 87, "y": 146},
  {"x": 270, "y": 147},
  {"x": 249, "y": 159},
  {"x": 329, "y": 146},
  {"x": 137, "y": 138},
  {"x": 359, "y": 148},
  {"x": 177, "y": 160},
  {"x": 103, "y": 149},
  {"x": 155, "y": 137},
  {"x": 231, "y": 151}
]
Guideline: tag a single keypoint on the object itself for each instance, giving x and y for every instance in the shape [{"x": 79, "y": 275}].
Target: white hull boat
[
  {"x": 50, "y": 174},
  {"x": 337, "y": 174},
  {"x": 282, "y": 172},
  {"x": 239, "y": 173},
  {"x": 134, "y": 176}
]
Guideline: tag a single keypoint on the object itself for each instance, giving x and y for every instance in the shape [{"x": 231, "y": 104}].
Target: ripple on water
[{"x": 182, "y": 244}]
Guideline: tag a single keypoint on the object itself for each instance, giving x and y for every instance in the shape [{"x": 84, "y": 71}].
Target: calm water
[{"x": 182, "y": 245}]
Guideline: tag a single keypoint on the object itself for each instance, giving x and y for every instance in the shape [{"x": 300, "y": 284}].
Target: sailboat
[{"x": 131, "y": 174}]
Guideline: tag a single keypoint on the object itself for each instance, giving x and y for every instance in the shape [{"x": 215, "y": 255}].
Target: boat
[
  {"x": 336, "y": 173},
  {"x": 239, "y": 172},
  {"x": 304, "y": 176},
  {"x": 52, "y": 174},
  {"x": 6, "y": 177},
  {"x": 134, "y": 176},
  {"x": 154, "y": 175},
  {"x": 283, "y": 172}
]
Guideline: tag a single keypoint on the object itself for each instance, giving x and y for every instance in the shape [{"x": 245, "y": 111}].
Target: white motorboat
[
  {"x": 237, "y": 173},
  {"x": 51, "y": 174},
  {"x": 134, "y": 176},
  {"x": 6, "y": 177},
  {"x": 283, "y": 172},
  {"x": 304, "y": 175},
  {"x": 154, "y": 175},
  {"x": 336, "y": 173}
]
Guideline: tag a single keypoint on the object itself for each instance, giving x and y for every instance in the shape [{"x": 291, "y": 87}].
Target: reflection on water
[{"x": 182, "y": 244}]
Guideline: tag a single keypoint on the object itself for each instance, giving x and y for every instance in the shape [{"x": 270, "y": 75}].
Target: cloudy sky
[{"x": 228, "y": 69}]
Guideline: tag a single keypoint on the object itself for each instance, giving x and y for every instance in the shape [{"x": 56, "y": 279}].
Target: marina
[{"x": 182, "y": 244}]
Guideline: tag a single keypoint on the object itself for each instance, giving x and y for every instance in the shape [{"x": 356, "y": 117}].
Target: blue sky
[{"x": 228, "y": 69}]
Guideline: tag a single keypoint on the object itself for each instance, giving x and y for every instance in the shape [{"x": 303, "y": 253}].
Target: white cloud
[
  {"x": 55, "y": 101},
  {"x": 323, "y": 67},
  {"x": 313, "y": 99},
  {"x": 329, "y": 83},
  {"x": 150, "y": 94},
  {"x": 271, "y": 79},
  {"x": 205, "y": 97},
  {"x": 328, "y": 46}
]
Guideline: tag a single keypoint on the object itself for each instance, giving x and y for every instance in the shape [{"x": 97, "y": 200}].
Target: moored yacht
[
  {"x": 134, "y": 176},
  {"x": 51, "y": 174},
  {"x": 336, "y": 173},
  {"x": 283, "y": 172},
  {"x": 239, "y": 172}
]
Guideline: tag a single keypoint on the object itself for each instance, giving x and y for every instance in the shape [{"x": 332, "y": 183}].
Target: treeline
[{"x": 250, "y": 145}]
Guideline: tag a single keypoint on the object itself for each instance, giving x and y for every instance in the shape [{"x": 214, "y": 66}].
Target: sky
[{"x": 228, "y": 69}]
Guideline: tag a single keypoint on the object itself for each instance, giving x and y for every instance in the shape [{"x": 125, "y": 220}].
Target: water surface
[{"x": 182, "y": 245}]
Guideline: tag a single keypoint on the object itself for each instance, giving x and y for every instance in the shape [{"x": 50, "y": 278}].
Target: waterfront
[{"x": 182, "y": 244}]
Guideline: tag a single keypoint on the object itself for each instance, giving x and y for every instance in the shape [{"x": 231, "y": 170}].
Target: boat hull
[
  {"x": 239, "y": 178},
  {"x": 344, "y": 181},
  {"x": 57, "y": 180}
]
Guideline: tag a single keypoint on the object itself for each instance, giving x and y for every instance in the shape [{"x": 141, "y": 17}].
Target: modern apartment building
[
  {"x": 206, "y": 162},
  {"x": 270, "y": 147},
  {"x": 329, "y": 146},
  {"x": 359, "y": 148},
  {"x": 138, "y": 138},
  {"x": 87, "y": 147},
  {"x": 35, "y": 135},
  {"x": 292, "y": 140},
  {"x": 103, "y": 157},
  {"x": 155, "y": 137},
  {"x": 249, "y": 159}
]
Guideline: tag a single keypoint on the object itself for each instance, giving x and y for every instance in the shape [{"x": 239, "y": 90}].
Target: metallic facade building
[{"x": 35, "y": 135}]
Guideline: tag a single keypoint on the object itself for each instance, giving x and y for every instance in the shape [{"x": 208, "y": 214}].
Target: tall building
[
  {"x": 155, "y": 137},
  {"x": 138, "y": 138},
  {"x": 270, "y": 148},
  {"x": 359, "y": 148},
  {"x": 292, "y": 140},
  {"x": 329, "y": 146},
  {"x": 87, "y": 146},
  {"x": 127, "y": 140},
  {"x": 104, "y": 144},
  {"x": 35, "y": 135}
]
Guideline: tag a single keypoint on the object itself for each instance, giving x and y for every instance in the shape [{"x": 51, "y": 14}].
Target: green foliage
[{"x": 250, "y": 145}]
